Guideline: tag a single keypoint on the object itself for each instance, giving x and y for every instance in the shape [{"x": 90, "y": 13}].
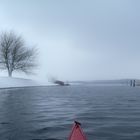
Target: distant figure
[{"x": 132, "y": 83}]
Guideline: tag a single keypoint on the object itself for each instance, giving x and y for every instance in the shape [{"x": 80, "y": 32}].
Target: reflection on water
[{"x": 106, "y": 113}]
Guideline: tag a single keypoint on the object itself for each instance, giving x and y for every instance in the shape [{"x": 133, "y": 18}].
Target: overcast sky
[{"x": 79, "y": 39}]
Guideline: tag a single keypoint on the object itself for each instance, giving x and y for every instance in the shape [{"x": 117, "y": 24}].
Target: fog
[{"x": 78, "y": 39}]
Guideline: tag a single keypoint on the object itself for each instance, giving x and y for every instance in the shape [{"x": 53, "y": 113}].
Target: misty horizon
[{"x": 78, "y": 40}]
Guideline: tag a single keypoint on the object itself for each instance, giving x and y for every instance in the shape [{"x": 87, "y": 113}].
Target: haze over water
[{"x": 78, "y": 39}]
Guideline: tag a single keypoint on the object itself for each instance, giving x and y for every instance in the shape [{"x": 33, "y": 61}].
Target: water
[{"x": 47, "y": 113}]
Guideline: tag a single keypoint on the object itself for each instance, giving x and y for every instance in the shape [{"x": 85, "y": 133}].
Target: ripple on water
[{"x": 106, "y": 113}]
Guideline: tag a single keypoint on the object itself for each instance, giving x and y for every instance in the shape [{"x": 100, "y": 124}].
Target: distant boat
[{"x": 61, "y": 83}]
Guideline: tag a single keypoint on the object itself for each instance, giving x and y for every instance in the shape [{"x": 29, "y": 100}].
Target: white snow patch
[{"x": 7, "y": 82}]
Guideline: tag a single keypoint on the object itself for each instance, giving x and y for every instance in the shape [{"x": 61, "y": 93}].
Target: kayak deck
[{"x": 77, "y": 132}]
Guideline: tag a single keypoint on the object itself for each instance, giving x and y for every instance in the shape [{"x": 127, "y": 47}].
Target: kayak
[{"x": 77, "y": 132}]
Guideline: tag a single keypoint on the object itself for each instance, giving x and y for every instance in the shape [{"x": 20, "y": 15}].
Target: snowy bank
[{"x": 7, "y": 82}]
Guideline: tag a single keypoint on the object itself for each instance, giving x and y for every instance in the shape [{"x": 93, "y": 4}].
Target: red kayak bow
[{"x": 77, "y": 132}]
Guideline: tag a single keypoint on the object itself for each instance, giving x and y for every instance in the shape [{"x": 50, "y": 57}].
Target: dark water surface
[{"x": 47, "y": 113}]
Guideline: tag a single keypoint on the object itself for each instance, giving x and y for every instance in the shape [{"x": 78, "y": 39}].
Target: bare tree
[{"x": 14, "y": 55}]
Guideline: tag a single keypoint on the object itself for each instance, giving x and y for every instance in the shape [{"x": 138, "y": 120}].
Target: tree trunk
[{"x": 9, "y": 73}]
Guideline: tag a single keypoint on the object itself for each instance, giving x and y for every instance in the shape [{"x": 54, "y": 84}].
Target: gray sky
[{"x": 79, "y": 39}]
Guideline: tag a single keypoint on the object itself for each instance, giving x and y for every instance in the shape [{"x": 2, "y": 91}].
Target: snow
[{"x": 8, "y": 82}]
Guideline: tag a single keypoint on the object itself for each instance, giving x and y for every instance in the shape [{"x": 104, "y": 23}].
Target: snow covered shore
[{"x": 7, "y": 82}]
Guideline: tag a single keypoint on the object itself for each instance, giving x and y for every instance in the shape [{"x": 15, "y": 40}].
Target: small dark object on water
[
  {"x": 132, "y": 83},
  {"x": 61, "y": 83}
]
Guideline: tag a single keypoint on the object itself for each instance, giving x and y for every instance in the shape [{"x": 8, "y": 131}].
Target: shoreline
[{"x": 1, "y": 88}]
